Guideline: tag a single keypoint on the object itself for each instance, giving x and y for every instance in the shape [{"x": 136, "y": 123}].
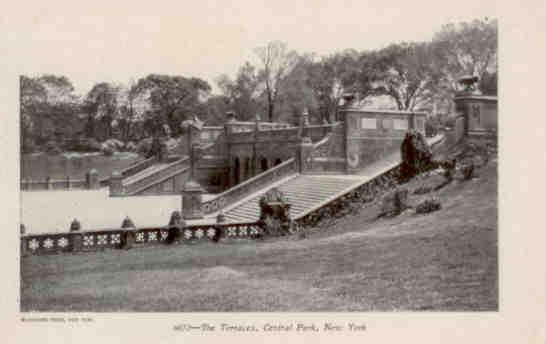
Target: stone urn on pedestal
[{"x": 275, "y": 213}]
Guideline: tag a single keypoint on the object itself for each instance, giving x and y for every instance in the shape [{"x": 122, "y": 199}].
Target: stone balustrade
[
  {"x": 250, "y": 186},
  {"x": 381, "y": 180},
  {"x": 139, "y": 166},
  {"x": 173, "y": 168},
  {"x": 117, "y": 238}
]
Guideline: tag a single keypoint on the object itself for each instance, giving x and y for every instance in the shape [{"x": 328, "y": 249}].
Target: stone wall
[
  {"x": 480, "y": 112},
  {"x": 374, "y": 134}
]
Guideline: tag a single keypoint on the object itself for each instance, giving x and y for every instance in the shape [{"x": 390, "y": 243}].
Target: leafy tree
[
  {"x": 172, "y": 99},
  {"x": 329, "y": 77},
  {"x": 277, "y": 62},
  {"x": 468, "y": 48},
  {"x": 59, "y": 89},
  {"x": 214, "y": 109},
  {"x": 242, "y": 92},
  {"x": 406, "y": 72},
  {"x": 102, "y": 107},
  {"x": 47, "y": 108},
  {"x": 488, "y": 83}
]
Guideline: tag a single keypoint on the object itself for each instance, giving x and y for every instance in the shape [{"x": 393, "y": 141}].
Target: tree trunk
[{"x": 270, "y": 112}]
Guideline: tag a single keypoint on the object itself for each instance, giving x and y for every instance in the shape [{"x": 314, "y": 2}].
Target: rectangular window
[
  {"x": 400, "y": 124},
  {"x": 420, "y": 124},
  {"x": 368, "y": 123}
]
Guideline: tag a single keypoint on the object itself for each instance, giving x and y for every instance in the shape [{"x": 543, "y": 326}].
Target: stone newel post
[
  {"x": 304, "y": 156},
  {"x": 77, "y": 238},
  {"x": 163, "y": 153},
  {"x": 175, "y": 226},
  {"x": 116, "y": 184},
  {"x": 129, "y": 233},
  {"x": 92, "y": 179},
  {"x": 192, "y": 197}
]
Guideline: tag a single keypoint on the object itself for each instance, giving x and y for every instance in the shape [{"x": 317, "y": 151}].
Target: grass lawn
[{"x": 445, "y": 261}]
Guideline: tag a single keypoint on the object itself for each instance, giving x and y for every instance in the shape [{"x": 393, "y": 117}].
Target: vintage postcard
[{"x": 313, "y": 170}]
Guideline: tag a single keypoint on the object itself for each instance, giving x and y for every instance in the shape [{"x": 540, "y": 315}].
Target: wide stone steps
[{"x": 303, "y": 193}]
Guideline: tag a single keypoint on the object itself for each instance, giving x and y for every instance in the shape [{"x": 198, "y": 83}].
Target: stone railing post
[
  {"x": 116, "y": 184},
  {"x": 75, "y": 225},
  {"x": 129, "y": 233},
  {"x": 77, "y": 242},
  {"x": 68, "y": 183},
  {"x": 220, "y": 219},
  {"x": 305, "y": 147},
  {"x": 92, "y": 179},
  {"x": 192, "y": 198},
  {"x": 163, "y": 153},
  {"x": 77, "y": 238},
  {"x": 176, "y": 224},
  {"x": 304, "y": 158},
  {"x": 49, "y": 185}
]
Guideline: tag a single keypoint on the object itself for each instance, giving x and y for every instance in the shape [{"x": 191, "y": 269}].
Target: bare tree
[{"x": 277, "y": 63}]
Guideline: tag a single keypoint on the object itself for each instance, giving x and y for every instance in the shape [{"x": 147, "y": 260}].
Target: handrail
[
  {"x": 322, "y": 142},
  {"x": 158, "y": 181},
  {"x": 138, "y": 166},
  {"x": 170, "y": 168},
  {"x": 247, "y": 187}
]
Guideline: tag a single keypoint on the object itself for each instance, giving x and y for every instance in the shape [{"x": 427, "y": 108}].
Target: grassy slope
[{"x": 445, "y": 260}]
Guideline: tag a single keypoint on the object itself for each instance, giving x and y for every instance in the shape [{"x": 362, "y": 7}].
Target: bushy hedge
[{"x": 428, "y": 206}]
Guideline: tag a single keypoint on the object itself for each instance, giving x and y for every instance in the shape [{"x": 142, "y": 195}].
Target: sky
[{"x": 124, "y": 40}]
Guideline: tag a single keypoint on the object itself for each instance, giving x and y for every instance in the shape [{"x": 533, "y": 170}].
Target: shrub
[
  {"x": 107, "y": 151},
  {"x": 428, "y": 206},
  {"x": 416, "y": 156},
  {"x": 144, "y": 146},
  {"x": 130, "y": 146},
  {"x": 394, "y": 202}
]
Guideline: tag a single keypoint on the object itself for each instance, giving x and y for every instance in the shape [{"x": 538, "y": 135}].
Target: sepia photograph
[{"x": 354, "y": 174}]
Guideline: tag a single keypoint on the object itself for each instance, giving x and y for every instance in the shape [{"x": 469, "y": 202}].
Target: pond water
[{"x": 39, "y": 166}]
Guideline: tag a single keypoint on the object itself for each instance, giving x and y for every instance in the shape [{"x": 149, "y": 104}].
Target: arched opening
[
  {"x": 277, "y": 162},
  {"x": 263, "y": 164},
  {"x": 236, "y": 171}
]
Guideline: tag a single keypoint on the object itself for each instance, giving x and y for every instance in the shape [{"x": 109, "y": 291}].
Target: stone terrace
[{"x": 53, "y": 211}]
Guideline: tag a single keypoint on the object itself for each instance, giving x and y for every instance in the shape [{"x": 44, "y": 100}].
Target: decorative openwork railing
[
  {"x": 250, "y": 186},
  {"x": 96, "y": 240}
]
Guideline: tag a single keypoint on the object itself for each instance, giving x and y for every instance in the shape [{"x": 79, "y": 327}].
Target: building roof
[{"x": 391, "y": 112}]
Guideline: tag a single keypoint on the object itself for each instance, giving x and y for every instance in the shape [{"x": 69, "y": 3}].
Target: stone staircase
[
  {"x": 304, "y": 192},
  {"x": 149, "y": 177},
  {"x": 144, "y": 173}
]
